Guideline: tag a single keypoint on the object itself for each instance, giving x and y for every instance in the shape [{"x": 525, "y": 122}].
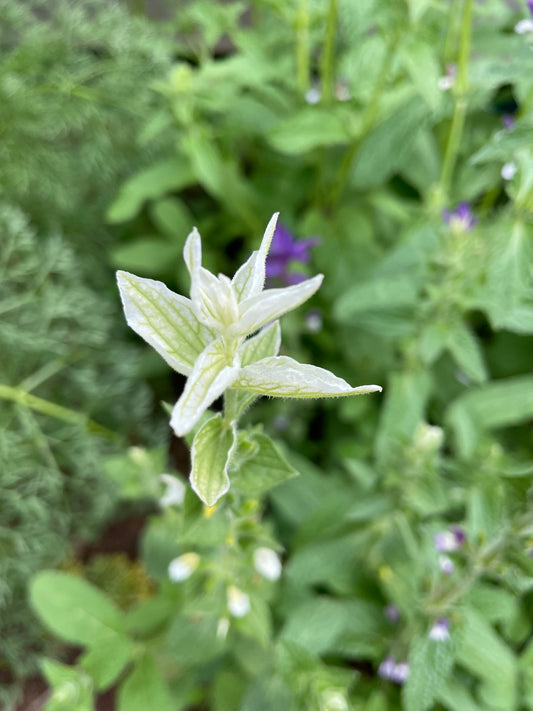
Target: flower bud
[
  {"x": 238, "y": 602},
  {"x": 267, "y": 563},
  {"x": 183, "y": 567}
]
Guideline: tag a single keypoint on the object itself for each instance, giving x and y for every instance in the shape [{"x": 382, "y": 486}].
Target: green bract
[{"x": 209, "y": 339}]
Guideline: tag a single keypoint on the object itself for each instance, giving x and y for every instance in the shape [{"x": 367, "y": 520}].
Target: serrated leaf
[
  {"x": 145, "y": 688},
  {"x": 92, "y": 617},
  {"x": 265, "y": 468},
  {"x": 211, "y": 452},
  {"x": 466, "y": 350},
  {"x": 163, "y": 319},
  {"x": 486, "y": 656},
  {"x": 430, "y": 664},
  {"x": 153, "y": 182},
  {"x": 285, "y": 377}
]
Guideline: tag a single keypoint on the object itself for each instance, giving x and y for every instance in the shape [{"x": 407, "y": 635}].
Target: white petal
[
  {"x": 215, "y": 301},
  {"x": 164, "y": 319},
  {"x": 250, "y": 278},
  {"x": 211, "y": 375},
  {"x": 270, "y": 304},
  {"x": 285, "y": 377},
  {"x": 192, "y": 252}
]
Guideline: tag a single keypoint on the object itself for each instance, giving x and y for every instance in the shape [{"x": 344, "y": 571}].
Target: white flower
[
  {"x": 238, "y": 602},
  {"x": 508, "y": 170},
  {"x": 313, "y": 95},
  {"x": 400, "y": 672},
  {"x": 183, "y": 567},
  {"x": 209, "y": 337},
  {"x": 175, "y": 491},
  {"x": 524, "y": 26},
  {"x": 440, "y": 632},
  {"x": 267, "y": 563},
  {"x": 446, "y": 565},
  {"x": 428, "y": 438}
]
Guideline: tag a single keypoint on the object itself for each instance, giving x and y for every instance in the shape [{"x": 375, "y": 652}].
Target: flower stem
[
  {"x": 46, "y": 407},
  {"x": 459, "y": 113},
  {"x": 327, "y": 68},
  {"x": 302, "y": 46}
]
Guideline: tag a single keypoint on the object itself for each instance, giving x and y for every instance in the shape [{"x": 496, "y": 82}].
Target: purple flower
[
  {"x": 529, "y": 3},
  {"x": 391, "y": 670},
  {"x": 508, "y": 120},
  {"x": 392, "y": 614},
  {"x": 440, "y": 632},
  {"x": 450, "y": 540},
  {"x": 286, "y": 249},
  {"x": 461, "y": 219}
]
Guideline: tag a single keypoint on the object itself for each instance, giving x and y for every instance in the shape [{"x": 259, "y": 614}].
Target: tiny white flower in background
[
  {"x": 523, "y": 27},
  {"x": 267, "y": 563},
  {"x": 139, "y": 456},
  {"x": 183, "y": 567},
  {"x": 440, "y": 631},
  {"x": 386, "y": 668},
  {"x": 446, "y": 565},
  {"x": 333, "y": 700},
  {"x": 313, "y": 321},
  {"x": 238, "y": 602},
  {"x": 428, "y": 438},
  {"x": 175, "y": 491},
  {"x": 508, "y": 170},
  {"x": 222, "y": 628},
  {"x": 446, "y": 82},
  {"x": 313, "y": 95}
]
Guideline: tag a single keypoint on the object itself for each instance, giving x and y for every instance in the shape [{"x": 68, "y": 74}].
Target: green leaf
[
  {"x": 74, "y": 609},
  {"x": 192, "y": 639},
  {"x": 71, "y": 687},
  {"x": 386, "y": 147},
  {"x": 172, "y": 218},
  {"x": 486, "y": 656},
  {"x": 384, "y": 293},
  {"x": 420, "y": 60},
  {"x": 105, "y": 662},
  {"x": 308, "y": 129},
  {"x": 152, "y": 182},
  {"x": 466, "y": 350},
  {"x": 406, "y": 397},
  {"x": 498, "y": 404},
  {"x": 145, "y": 688},
  {"x": 263, "y": 470},
  {"x": 150, "y": 255},
  {"x": 430, "y": 664},
  {"x": 211, "y": 452}
]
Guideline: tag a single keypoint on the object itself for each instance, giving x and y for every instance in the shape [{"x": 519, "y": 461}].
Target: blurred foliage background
[{"x": 366, "y": 124}]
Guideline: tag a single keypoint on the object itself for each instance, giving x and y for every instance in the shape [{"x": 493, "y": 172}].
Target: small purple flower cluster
[
  {"x": 461, "y": 219},
  {"x": 448, "y": 541},
  {"x": 391, "y": 670},
  {"x": 284, "y": 250}
]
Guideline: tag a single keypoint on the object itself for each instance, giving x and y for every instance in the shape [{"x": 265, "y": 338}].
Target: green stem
[
  {"x": 302, "y": 46},
  {"x": 368, "y": 119},
  {"x": 327, "y": 66},
  {"x": 459, "y": 113},
  {"x": 21, "y": 397}
]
